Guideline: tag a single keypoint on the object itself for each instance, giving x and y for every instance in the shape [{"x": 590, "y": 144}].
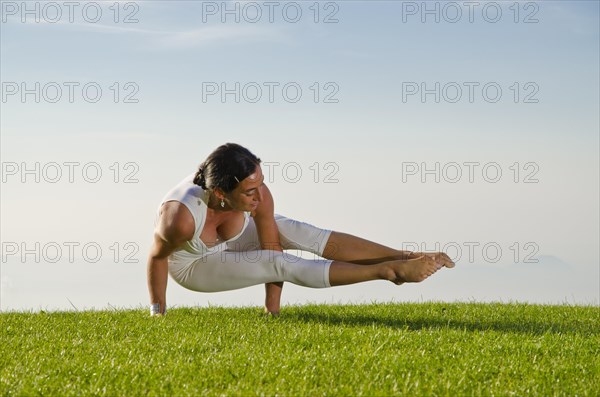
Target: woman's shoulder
[{"x": 176, "y": 222}]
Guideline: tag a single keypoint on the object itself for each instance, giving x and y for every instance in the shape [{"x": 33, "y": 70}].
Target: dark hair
[{"x": 226, "y": 167}]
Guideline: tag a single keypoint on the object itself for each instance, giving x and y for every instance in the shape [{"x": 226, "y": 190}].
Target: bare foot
[
  {"x": 440, "y": 258},
  {"x": 412, "y": 270}
]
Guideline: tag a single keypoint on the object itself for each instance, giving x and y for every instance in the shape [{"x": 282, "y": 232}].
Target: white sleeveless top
[{"x": 196, "y": 200}]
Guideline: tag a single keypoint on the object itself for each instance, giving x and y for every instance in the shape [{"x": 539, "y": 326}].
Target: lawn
[{"x": 378, "y": 349}]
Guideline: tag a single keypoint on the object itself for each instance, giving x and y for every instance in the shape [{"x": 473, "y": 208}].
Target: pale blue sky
[{"x": 369, "y": 134}]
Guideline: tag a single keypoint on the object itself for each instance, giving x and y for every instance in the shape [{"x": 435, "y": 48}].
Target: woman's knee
[
  {"x": 297, "y": 235},
  {"x": 312, "y": 273}
]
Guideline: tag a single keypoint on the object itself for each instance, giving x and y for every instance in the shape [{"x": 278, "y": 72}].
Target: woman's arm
[
  {"x": 264, "y": 218},
  {"x": 268, "y": 234},
  {"x": 158, "y": 273},
  {"x": 175, "y": 227}
]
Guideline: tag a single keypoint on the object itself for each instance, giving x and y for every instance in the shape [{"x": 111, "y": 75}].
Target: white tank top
[{"x": 196, "y": 200}]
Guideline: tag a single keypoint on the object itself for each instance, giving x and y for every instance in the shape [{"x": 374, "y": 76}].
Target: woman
[{"x": 217, "y": 231}]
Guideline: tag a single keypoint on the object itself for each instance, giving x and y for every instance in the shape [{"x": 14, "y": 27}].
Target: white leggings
[{"x": 241, "y": 263}]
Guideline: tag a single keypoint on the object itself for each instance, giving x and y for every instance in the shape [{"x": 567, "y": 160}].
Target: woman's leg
[
  {"x": 296, "y": 235},
  {"x": 346, "y": 252},
  {"x": 349, "y": 248},
  {"x": 228, "y": 270},
  {"x": 293, "y": 235},
  {"x": 396, "y": 271}
]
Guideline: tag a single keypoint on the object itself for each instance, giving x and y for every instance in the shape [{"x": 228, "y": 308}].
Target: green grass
[{"x": 378, "y": 349}]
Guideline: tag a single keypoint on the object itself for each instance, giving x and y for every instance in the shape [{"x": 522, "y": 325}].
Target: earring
[{"x": 222, "y": 203}]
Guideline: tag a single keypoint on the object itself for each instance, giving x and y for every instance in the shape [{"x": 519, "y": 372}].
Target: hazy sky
[{"x": 471, "y": 127}]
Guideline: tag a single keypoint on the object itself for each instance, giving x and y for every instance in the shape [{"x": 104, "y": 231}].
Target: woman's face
[{"x": 248, "y": 194}]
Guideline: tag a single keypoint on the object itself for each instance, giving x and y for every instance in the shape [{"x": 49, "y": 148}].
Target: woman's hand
[{"x": 156, "y": 309}]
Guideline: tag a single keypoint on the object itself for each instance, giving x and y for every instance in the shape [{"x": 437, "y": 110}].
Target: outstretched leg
[
  {"x": 233, "y": 270},
  {"x": 396, "y": 271},
  {"x": 348, "y": 248},
  {"x": 346, "y": 253}
]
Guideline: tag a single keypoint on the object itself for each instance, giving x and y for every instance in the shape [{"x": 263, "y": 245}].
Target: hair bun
[{"x": 199, "y": 178}]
